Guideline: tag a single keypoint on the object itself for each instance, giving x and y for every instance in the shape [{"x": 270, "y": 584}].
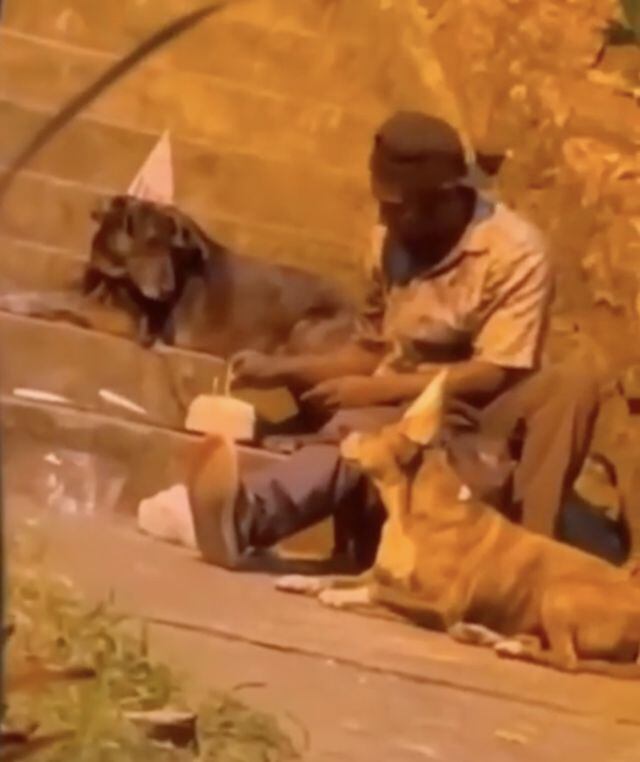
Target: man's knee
[{"x": 575, "y": 384}]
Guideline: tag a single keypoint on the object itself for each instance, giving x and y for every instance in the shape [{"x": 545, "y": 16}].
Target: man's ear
[{"x": 422, "y": 421}]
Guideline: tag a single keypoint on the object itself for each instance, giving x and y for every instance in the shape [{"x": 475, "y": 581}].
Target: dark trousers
[{"x": 545, "y": 421}]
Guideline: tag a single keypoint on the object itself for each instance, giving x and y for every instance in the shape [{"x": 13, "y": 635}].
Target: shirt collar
[{"x": 472, "y": 240}]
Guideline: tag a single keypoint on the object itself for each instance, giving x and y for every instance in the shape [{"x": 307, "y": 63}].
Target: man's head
[{"x": 416, "y": 166}]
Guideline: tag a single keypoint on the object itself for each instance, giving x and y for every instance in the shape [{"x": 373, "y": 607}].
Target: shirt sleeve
[
  {"x": 371, "y": 318},
  {"x": 369, "y": 323},
  {"x": 519, "y": 289}
]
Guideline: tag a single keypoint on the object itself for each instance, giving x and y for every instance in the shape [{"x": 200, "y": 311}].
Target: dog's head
[
  {"x": 111, "y": 245},
  {"x": 387, "y": 454},
  {"x": 414, "y": 448},
  {"x": 147, "y": 245}
]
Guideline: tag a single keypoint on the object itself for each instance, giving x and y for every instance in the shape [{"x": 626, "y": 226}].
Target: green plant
[{"x": 57, "y": 720}]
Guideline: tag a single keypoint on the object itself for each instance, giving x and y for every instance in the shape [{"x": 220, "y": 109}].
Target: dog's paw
[
  {"x": 510, "y": 649},
  {"x": 296, "y": 583},
  {"x": 474, "y": 635},
  {"x": 345, "y": 598}
]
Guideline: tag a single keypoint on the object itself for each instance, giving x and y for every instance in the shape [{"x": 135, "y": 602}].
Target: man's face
[
  {"x": 414, "y": 217},
  {"x": 409, "y": 218}
]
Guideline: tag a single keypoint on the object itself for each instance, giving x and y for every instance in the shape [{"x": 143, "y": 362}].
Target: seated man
[{"x": 464, "y": 283}]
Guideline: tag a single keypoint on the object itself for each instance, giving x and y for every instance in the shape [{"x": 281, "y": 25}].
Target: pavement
[{"x": 350, "y": 687}]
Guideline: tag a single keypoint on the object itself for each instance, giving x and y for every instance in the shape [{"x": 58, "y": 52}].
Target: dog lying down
[
  {"x": 181, "y": 286},
  {"x": 456, "y": 564}
]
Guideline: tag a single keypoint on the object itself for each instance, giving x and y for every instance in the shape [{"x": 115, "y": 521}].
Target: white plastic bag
[{"x": 167, "y": 516}]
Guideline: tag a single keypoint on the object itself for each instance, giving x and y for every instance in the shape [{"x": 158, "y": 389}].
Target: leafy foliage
[
  {"x": 54, "y": 626},
  {"x": 536, "y": 80}
]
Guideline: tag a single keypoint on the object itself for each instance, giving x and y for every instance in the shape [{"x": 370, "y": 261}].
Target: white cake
[{"x": 215, "y": 414}]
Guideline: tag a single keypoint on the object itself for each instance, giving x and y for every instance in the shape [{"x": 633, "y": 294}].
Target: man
[{"x": 464, "y": 283}]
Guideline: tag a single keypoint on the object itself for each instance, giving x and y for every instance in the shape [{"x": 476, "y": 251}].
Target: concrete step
[
  {"x": 238, "y": 50},
  {"x": 26, "y": 266},
  {"x": 149, "y": 458},
  {"x": 196, "y": 107},
  {"x": 56, "y": 214},
  {"x": 84, "y": 24},
  {"x": 300, "y": 195},
  {"x": 78, "y": 364},
  {"x": 66, "y": 458}
]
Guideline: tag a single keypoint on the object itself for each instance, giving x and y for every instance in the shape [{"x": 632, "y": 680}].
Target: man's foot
[{"x": 214, "y": 486}]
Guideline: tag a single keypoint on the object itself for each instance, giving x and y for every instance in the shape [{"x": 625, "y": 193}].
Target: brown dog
[
  {"x": 482, "y": 578},
  {"x": 185, "y": 288}
]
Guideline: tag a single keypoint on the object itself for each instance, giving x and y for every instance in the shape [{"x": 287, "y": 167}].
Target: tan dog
[{"x": 444, "y": 552}]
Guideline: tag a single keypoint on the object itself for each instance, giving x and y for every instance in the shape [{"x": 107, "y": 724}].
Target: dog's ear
[
  {"x": 422, "y": 421},
  {"x": 408, "y": 453},
  {"x": 101, "y": 209}
]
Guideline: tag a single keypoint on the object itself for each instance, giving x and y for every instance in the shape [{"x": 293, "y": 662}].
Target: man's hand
[
  {"x": 252, "y": 368},
  {"x": 347, "y": 392}
]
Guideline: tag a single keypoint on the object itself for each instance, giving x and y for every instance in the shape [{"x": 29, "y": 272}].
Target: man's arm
[
  {"x": 301, "y": 372},
  {"x": 305, "y": 371},
  {"x": 474, "y": 381}
]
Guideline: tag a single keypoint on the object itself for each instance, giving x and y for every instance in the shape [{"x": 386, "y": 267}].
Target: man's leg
[
  {"x": 234, "y": 514},
  {"x": 313, "y": 484},
  {"x": 556, "y": 411}
]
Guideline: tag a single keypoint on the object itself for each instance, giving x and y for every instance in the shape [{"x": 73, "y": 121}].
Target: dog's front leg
[
  {"x": 528, "y": 649},
  {"x": 347, "y": 597},
  {"x": 93, "y": 284},
  {"x": 301, "y": 585},
  {"x": 168, "y": 332},
  {"x": 146, "y": 337},
  {"x": 314, "y": 586},
  {"x": 475, "y": 635}
]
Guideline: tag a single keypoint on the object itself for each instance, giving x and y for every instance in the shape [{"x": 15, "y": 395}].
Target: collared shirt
[{"x": 487, "y": 300}]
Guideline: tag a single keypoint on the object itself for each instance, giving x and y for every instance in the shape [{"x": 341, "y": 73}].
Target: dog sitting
[
  {"x": 186, "y": 289},
  {"x": 485, "y": 580}
]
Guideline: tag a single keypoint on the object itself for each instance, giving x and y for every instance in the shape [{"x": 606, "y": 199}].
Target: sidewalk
[{"x": 364, "y": 689}]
